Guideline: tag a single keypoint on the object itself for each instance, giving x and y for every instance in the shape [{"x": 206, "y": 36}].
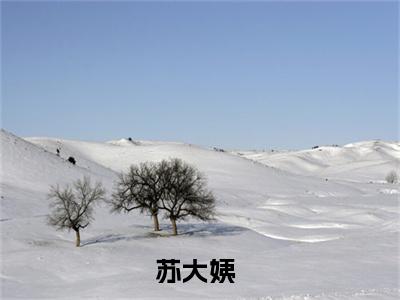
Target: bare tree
[
  {"x": 140, "y": 188},
  {"x": 391, "y": 177},
  {"x": 185, "y": 193},
  {"x": 72, "y": 207}
]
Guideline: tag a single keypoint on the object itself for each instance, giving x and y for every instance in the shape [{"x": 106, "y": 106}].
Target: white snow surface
[
  {"x": 292, "y": 236},
  {"x": 364, "y": 161}
]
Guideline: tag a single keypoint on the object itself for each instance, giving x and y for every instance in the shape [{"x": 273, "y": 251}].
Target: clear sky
[{"x": 234, "y": 75}]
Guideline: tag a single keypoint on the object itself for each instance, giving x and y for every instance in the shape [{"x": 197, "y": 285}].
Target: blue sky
[{"x": 235, "y": 75}]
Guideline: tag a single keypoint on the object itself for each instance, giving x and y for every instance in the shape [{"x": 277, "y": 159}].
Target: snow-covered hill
[
  {"x": 363, "y": 161},
  {"x": 293, "y": 237}
]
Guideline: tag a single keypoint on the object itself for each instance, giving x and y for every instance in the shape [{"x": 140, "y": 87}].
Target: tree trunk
[
  {"x": 174, "y": 229},
  {"x": 155, "y": 221},
  {"x": 78, "y": 238}
]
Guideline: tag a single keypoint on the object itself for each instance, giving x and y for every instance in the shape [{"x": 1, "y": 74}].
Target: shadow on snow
[{"x": 192, "y": 230}]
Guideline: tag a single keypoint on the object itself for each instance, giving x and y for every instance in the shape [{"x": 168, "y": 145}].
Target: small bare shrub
[{"x": 392, "y": 177}]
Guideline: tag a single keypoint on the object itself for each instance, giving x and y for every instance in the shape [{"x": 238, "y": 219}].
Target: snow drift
[
  {"x": 363, "y": 161},
  {"x": 292, "y": 236}
]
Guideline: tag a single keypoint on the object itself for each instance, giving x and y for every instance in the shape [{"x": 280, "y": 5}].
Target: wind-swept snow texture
[
  {"x": 292, "y": 236},
  {"x": 363, "y": 161}
]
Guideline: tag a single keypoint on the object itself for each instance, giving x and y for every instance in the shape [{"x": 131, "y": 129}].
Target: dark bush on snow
[
  {"x": 392, "y": 177},
  {"x": 72, "y": 160},
  {"x": 218, "y": 149}
]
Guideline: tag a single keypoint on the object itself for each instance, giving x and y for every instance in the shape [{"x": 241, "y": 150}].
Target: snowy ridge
[
  {"x": 362, "y": 161},
  {"x": 292, "y": 236}
]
